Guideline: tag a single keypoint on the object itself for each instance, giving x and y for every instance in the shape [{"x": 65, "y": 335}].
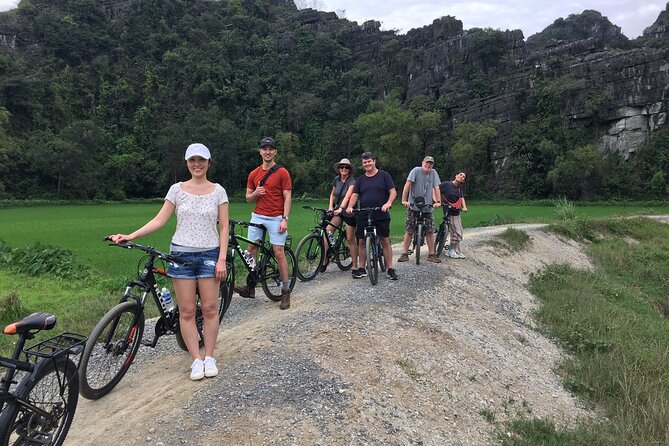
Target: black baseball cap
[{"x": 267, "y": 141}]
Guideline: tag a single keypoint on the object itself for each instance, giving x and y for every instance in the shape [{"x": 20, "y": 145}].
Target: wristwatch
[{"x": 283, "y": 217}]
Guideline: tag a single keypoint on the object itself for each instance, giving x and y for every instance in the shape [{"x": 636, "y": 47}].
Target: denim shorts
[
  {"x": 272, "y": 225},
  {"x": 202, "y": 264}
]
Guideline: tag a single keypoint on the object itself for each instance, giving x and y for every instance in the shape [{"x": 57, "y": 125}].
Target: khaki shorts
[{"x": 428, "y": 222}]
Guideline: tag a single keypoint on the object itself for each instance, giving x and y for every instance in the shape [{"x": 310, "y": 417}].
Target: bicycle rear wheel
[
  {"x": 54, "y": 389},
  {"x": 372, "y": 260},
  {"x": 343, "y": 258},
  {"x": 309, "y": 255},
  {"x": 418, "y": 237},
  {"x": 225, "y": 291},
  {"x": 110, "y": 349},
  {"x": 271, "y": 280},
  {"x": 440, "y": 240}
]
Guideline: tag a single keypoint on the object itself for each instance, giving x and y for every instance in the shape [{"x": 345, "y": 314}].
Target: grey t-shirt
[
  {"x": 422, "y": 186},
  {"x": 338, "y": 184}
]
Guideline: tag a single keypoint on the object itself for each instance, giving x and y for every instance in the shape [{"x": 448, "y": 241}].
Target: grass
[
  {"x": 512, "y": 239},
  {"x": 614, "y": 322},
  {"x": 80, "y": 228}
]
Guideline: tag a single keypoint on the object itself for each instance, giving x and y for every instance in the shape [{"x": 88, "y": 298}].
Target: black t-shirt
[
  {"x": 450, "y": 194},
  {"x": 374, "y": 192}
]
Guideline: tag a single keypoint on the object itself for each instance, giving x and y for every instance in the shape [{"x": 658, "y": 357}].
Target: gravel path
[{"x": 440, "y": 357}]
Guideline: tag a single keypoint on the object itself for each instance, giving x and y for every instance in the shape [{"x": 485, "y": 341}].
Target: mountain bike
[
  {"x": 312, "y": 250},
  {"x": 442, "y": 238},
  {"x": 113, "y": 343},
  {"x": 39, "y": 394},
  {"x": 419, "y": 234},
  {"x": 373, "y": 247},
  {"x": 264, "y": 270}
]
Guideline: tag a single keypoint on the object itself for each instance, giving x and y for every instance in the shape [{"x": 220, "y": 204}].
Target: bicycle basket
[{"x": 56, "y": 346}]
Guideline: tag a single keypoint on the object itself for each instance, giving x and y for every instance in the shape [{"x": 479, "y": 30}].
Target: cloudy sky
[{"x": 531, "y": 16}]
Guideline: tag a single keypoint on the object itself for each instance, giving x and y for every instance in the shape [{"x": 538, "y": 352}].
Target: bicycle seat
[{"x": 35, "y": 321}]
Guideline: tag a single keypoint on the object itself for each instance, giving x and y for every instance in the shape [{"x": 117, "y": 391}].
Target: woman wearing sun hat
[{"x": 342, "y": 188}]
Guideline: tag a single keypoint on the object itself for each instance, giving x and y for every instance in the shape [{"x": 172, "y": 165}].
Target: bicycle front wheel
[
  {"x": 110, "y": 349},
  {"x": 271, "y": 280},
  {"x": 440, "y": 240},
  {"x": 372, "y": 260},
  {"x": 309, "y": 255},
  {"x": 379, "y": 256},
  {"x": 418, "y": 238},
  {"x": 343, "y": 258},
  {"x": 54, "y": 390}
]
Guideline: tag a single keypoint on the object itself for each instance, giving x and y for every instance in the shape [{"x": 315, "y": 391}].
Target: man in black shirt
[{"x": 375, "y": 188}]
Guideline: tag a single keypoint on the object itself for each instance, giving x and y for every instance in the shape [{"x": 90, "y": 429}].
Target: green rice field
[{"x": 80, "y": 228}]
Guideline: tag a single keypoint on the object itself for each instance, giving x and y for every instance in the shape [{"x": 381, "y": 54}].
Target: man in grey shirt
[{"x": 423, "y": 182}]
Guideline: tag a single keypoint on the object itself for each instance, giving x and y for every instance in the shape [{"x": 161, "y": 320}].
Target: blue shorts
[
  {"x": 272, "y": 225},
  {"x": 202, "y": 264}
]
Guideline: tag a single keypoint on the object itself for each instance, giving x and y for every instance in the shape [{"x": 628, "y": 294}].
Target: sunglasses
[{"x": 345, "y": 167}]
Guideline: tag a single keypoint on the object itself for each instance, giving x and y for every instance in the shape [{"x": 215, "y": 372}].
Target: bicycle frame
[
  {"x": 254, "y": 274},
  {"x": 38, "y": 357},
  {"x": 321, "y": 228}
]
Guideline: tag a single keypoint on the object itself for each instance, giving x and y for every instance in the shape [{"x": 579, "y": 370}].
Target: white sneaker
[
  {"x": 460, "y": 255},
  {"x": 452, "y": 254},
  {"x": 210, "y": 369},
  {"x": 197, "y": 370}
]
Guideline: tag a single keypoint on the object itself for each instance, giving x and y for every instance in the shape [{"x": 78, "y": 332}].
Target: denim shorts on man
[
  {"x": 201, "y": 264},
  {"x": 272, "y": 225}
]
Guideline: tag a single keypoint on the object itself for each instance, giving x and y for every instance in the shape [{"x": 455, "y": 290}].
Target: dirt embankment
[{"x": 439, "y": 357}]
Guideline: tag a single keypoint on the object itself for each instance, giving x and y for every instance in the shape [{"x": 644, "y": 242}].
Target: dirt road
[{"x": 440, "y": 357}]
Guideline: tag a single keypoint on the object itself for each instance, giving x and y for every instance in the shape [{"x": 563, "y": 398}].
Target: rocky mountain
[{"x": 581, "y": 67}]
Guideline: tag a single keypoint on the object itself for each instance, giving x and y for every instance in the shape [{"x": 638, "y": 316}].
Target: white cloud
[
  {"x": 633, "y": 16},
  {"x": 530, "y": 17}
]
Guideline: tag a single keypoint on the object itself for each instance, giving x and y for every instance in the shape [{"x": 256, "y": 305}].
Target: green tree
[
  {"x": 472, "y": 152},
  {"x": 579, "y": 173}
]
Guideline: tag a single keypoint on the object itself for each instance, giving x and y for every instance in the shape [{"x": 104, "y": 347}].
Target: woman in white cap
[
  {"x": 342, "y": 188},
  {"x": 198, "y": 204}
]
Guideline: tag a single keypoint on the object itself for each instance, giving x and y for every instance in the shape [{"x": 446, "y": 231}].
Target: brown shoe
[
  {"x": 404, "y": 257},
  {"x": 285, "y": 299},
  {"x": 244, "y": 291},
  {"x": 433, "y": 258}
]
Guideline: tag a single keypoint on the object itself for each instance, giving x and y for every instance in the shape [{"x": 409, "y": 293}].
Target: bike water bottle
[
  {"x": 331, "y": 238},
  {"x": 166, "y": 299},
  {"x": 248, "y": 258}
]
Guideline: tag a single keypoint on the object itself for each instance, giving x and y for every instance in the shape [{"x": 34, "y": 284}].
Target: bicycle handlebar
[
  {"x": 377, "y": 208},
  {"x": 246, "y": 224},
  {"x": 150, "y": 251}
]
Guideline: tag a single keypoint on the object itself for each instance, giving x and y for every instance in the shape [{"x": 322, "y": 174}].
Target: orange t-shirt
[{"x": 270, "y": 204}]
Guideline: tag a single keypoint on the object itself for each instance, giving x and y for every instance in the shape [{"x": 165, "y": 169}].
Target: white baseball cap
[{"x": 197, "y": 149}]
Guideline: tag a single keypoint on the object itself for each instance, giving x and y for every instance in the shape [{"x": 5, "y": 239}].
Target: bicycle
[
  {"x": 311, "y": 251},
  {"x": 418, "y": 235},
  {"x": 266, "y": 269},
  {"x": 373, "y": 247},
  {"x": 39, "y": 394},
  {"x": 443, "y": 234},
  {"x": 113, "y": 343}
]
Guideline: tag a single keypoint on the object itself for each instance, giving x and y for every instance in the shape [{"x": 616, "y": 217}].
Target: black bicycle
[
  {"x": 264, "y": 270},
  {"x": 373, "y": 247},
  {"x": 443, "y": 234},
  {"x": 312, "y": 249},
  {"x": 113, "y": 343},
  {"x": 39, "y": 393},
  {"x": 419, "y": 234}
]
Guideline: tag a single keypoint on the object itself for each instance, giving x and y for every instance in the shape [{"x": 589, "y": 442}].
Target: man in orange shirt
[{"x": 273, "y": 200}]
